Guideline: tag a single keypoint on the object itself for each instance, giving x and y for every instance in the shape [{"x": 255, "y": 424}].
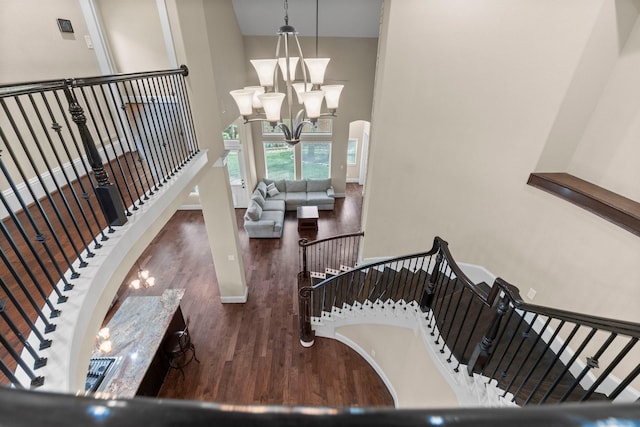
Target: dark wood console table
[{"x": 308, "y": 217}]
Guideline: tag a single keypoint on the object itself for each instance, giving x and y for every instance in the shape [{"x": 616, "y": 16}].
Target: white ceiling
[{"x": 336, "y": 18}]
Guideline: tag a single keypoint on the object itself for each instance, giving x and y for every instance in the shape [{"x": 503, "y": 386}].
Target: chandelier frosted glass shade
[
  {"x": 332, "y": 95},
  {"x": 257, "y": 90},
  {"x": 266, "y": 70},
  {"x": 317, "y": 68},
  {"x": 272, "y": 103},
  {"x": 244, "y": 100},
  {"x": 293, "y": 64},
  {"x": 313, "y": 103}
]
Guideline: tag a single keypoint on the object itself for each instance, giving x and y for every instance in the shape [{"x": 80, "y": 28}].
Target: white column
[{"x": 189, "y": 31}]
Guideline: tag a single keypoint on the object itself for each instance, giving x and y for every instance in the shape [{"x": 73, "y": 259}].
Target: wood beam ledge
[{"x": 606, "y": 204}]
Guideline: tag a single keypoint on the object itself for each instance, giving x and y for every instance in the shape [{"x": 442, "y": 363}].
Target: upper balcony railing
[
  {"x": 77, "y": 158},
  {"x": 533, "y": 354}
]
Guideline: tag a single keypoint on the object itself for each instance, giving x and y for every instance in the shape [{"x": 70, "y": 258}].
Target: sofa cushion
[
  {"x": 254, "y": 211},
  {"x": 276, "y": 216},
  {"x": 318, "y": 198},
  {"x": 298, "y": 199},
  {"x": 318, "y": 184},
  {"x": 296, "y": 186},
  {"x": 262, "y": 187},
  {"x": 280, "y": 185},
  {"x": 257, "y": 196},
  {"x": 273, "y": 205}
]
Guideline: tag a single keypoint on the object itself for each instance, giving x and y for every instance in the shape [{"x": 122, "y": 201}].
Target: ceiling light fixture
[
  {"x": 264, "y": 102},
  {"x": 144, "y": 279}
]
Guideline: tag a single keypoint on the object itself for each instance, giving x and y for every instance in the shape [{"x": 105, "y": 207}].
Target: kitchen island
[{"x": 137, "y": 332}]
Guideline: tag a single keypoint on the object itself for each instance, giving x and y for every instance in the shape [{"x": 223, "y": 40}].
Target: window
[
  {"x": 352, "y": 151},
  {"x": 233, "y": 166},
  {"x": 322, "y": 127},
  {"x": 230, "y": 133},
  {"x": 316, "y": 160},
  {"x": 279, "y": 162}
]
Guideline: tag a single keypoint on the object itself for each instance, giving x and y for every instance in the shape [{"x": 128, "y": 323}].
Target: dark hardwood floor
[{"x": 250, "y": 353}]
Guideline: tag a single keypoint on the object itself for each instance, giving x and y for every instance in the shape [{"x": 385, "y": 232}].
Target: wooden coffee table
[{"x": 308, "y": 217}]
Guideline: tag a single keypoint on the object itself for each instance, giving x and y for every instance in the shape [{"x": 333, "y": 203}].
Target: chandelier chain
[{"x": 286, "y": 12}]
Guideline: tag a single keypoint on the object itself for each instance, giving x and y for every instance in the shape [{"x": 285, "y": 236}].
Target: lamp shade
[
  {"x": 313, "y": 103},
  {"x": 272, "y": 102},
  {"x": 257, "y": 90},
  {"x": 300, "y": 89},
  {"x": 265, "y": 69},
  {"x": 332, "y": 95},
  {"x": 244, "y": 99},
  {"x": 317, "y": 67},
  {"x": 293, "y": 64}
]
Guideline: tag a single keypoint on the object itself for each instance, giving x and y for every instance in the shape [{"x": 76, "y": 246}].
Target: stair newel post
[
  {"x": 303, "y": 244},
  {"x": 307, "y": 335},
  {"x": 483, "y": 350},
  {"x": 106, "y": 192},
  {"x": 429, "y": 292}
]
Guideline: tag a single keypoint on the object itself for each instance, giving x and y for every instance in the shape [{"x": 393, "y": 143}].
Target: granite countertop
[{"x": 136, "y": 332}]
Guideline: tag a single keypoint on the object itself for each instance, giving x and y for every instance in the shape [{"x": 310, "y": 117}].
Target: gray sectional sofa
[{"x": 265, "y": 215}]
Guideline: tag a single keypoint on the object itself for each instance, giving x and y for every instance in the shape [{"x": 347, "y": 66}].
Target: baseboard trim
[{"x": 236, "y": 299}]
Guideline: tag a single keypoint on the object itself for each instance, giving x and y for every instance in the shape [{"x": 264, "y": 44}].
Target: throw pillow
[
  {"x": 272, "y": 191},
  {"x": 254, "y": 211},
  {"x": 262, "y": 187},
  {"x": 257, "y": 196}
]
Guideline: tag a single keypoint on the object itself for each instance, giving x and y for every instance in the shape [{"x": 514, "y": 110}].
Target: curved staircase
[{"x": 488, "y": 339}]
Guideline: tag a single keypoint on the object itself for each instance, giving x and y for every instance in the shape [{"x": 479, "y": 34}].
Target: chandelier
[
  {"x": 264, "y": 102},
  {"x": 144, "y": 279}
]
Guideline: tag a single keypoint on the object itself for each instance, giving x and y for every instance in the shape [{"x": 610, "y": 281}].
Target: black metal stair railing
[
  {"x": 320, "y": 259},
  {"x": 534, "y": 354},
  {"x": 20, "y": 408},
  {"x": 77, "y": 157}
]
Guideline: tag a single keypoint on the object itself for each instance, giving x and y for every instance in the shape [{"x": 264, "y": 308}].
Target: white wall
[
  {"x": 134, "y": 35},
  {"x": 608, "y": 153},
  {"x": 451, "y": 154},
  {"x": 32, "y": 46}
]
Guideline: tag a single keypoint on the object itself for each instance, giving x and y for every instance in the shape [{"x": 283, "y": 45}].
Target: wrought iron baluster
[
  {"x": 125, "y": 149},
  {"x": 605, "y": 374},
  {"x": 61, "y": 193},
  {"x": 106, "y": 193},
  {"x": 32, "y": 193},
  {"x": 36, "y": 381},
  {"x": 575, "y": 356},
  {"x": 48, "y": 327},
  {"x": 158, "y": 131},
  {"x": 556, "y": 358},
  {"x": 39, "y": 361},
  {"x": 522, "y": 366},
  {"x": 69, "y": 182},
  {"x": 171, "y": 116},
  {"x": 592, "y": 362},
  {"x": 164, "y": 125},
  {"x": 79, "y": 181}
]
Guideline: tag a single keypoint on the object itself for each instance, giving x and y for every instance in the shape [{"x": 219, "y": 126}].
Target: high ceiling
[{"x": 336, "y": 18}]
